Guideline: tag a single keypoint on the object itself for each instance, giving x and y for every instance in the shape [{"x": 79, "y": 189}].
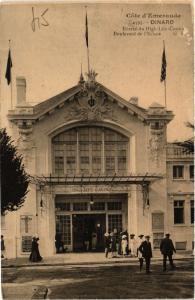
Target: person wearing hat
[
  {"x": 167, "y": 248},
  {"x": 139, "y": 254},
  {"x": 132, "y": 245},
  {"x": 106, "y": 243},
  {"x": 146, "y": 250}
]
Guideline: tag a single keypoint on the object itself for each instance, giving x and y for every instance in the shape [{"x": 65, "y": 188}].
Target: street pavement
[
  {"x": 99, "y": 281},
  {"x": 83, "y": 258}
]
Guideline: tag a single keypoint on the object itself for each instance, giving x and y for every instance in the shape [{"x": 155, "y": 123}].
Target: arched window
[{"x": 89, "y": 150}]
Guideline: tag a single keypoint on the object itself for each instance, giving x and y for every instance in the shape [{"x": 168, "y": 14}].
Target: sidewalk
[{"x": 84, "y": 259}]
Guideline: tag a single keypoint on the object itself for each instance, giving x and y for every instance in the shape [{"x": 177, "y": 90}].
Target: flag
[
  {"x": 163, "y": 67},
  {"x": 86, "y": 31},
  {"x": 8, "y": 69}
]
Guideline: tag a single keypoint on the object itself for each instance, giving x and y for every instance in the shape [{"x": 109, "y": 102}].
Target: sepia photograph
[{"x": 97, "y": 149}]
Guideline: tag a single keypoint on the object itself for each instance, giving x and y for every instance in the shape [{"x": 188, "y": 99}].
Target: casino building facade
[{"x": 97, "y": 163}]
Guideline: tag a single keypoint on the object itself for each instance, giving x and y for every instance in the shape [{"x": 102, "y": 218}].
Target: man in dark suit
[
  {"x": 146, "y": 250},
  {"x": 167, "y": 248}
]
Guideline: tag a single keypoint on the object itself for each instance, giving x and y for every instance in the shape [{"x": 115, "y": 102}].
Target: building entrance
[{"x": 88, "y": 232}]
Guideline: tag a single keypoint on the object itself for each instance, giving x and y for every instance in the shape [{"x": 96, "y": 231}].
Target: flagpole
[
  {"x": 11, "y": 80},
  {"x": 165, "y": 86},
  {"x": 88, "y": 59},
  {"x": 87, "y": 39}
]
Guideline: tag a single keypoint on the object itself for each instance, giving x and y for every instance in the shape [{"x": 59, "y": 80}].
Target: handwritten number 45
[{"x": 39, "y": 21}]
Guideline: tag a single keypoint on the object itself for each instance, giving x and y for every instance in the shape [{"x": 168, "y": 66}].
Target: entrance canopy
[
  {"x": 144, "y": 180},
  {"x": 96, "y": 180}
]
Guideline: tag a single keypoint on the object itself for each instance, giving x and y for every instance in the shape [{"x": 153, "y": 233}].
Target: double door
[{"x": 88, "y": 232}]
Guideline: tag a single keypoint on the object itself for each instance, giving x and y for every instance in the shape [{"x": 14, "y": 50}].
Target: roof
[
  {"x": 38, "y": 111},
  {"x": 55, "y": 100}
]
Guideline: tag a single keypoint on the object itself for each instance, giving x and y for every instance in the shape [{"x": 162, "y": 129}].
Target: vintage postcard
[{"x": 97, "y": 149}]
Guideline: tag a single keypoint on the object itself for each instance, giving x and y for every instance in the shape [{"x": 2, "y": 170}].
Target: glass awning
[{"x": 97, "y": 180}]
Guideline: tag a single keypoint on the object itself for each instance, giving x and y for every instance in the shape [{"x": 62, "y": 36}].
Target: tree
[
  {"x": 14, "y": 179},
  {"x": 188, "y": 145}
]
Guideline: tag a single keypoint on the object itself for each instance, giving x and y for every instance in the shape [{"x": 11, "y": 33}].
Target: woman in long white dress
[{"x": 124, "y": 245}]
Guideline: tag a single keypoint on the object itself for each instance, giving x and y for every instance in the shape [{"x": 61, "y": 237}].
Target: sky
[{"x": 49, "y": 56}]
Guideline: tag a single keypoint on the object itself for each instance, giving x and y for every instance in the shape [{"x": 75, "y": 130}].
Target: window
[
  {"x": 59, "y": 163},
  {"x": 156, "y": 125},
  {"x": 192, "y": 211},
  {"x": 115, "y": 222},
  {"x": 63, "y": 228},
  {"x": 180, "y": 245},
  {"x": 178, "y": 172},
  {"x": 70, "y": 154},
  {"x": 191, "y": 172},
  {"x": 63, "y": 206},
  {"x": 80, "y": 206},
  {"x": 98, "y": 206},
  {"x": 83, "y": 149},
  {"x": 114, "y": 205},
  {"x": 96, "y": 157},
  {"x": 179, "y": 212}
]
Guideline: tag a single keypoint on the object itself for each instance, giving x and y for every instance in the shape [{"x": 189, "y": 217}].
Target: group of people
[
  {"x": 139, "y": 248},
  {"x": 90, "y": 240},
  {"x": 122, "y": 244}
]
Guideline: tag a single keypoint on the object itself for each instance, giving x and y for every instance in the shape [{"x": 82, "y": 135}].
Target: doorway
[{"x": 88, "y": 232}]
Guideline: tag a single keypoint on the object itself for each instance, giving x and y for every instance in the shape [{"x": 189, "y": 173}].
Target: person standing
[
  {"x": 120, "y": 243},
  {"x": 86, "y": 240},
  {"x": 113, "y": 244},
  {"x": 117, "y": 240},
  {"x": 106, "y": 243},
  {"x": 167, "y": 248},
  {"x": 35, "y": 254},
  {"x": 94, "y": 241},
  {"x": 146, "y": 250},
  {"x": 2, "y": 247},
  {"x": 132, "y": 245},
  {"x": 58, "y": 242},
  {"x": 139, "y": 254},
  {"x": 124, "y": 245}
]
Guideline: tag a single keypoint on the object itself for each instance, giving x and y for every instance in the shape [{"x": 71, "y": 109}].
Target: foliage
[
  {"x": 188, "y": 145},
  {"x": 14, "y": 179}
]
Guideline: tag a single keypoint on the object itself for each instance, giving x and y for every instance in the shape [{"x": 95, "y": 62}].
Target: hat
[
  {"x": 147, "y": 236},
  {"x": 106, "y": 234},
  {"x": 140, "y": 236},
  {"x": 124, "y": 236}
]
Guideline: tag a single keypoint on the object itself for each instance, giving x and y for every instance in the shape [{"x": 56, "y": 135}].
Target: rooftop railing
[{"x": 174, "y": 151}]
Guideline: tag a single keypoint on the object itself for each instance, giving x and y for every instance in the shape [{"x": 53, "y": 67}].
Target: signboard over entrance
[{"x": 93, "y": 189}]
